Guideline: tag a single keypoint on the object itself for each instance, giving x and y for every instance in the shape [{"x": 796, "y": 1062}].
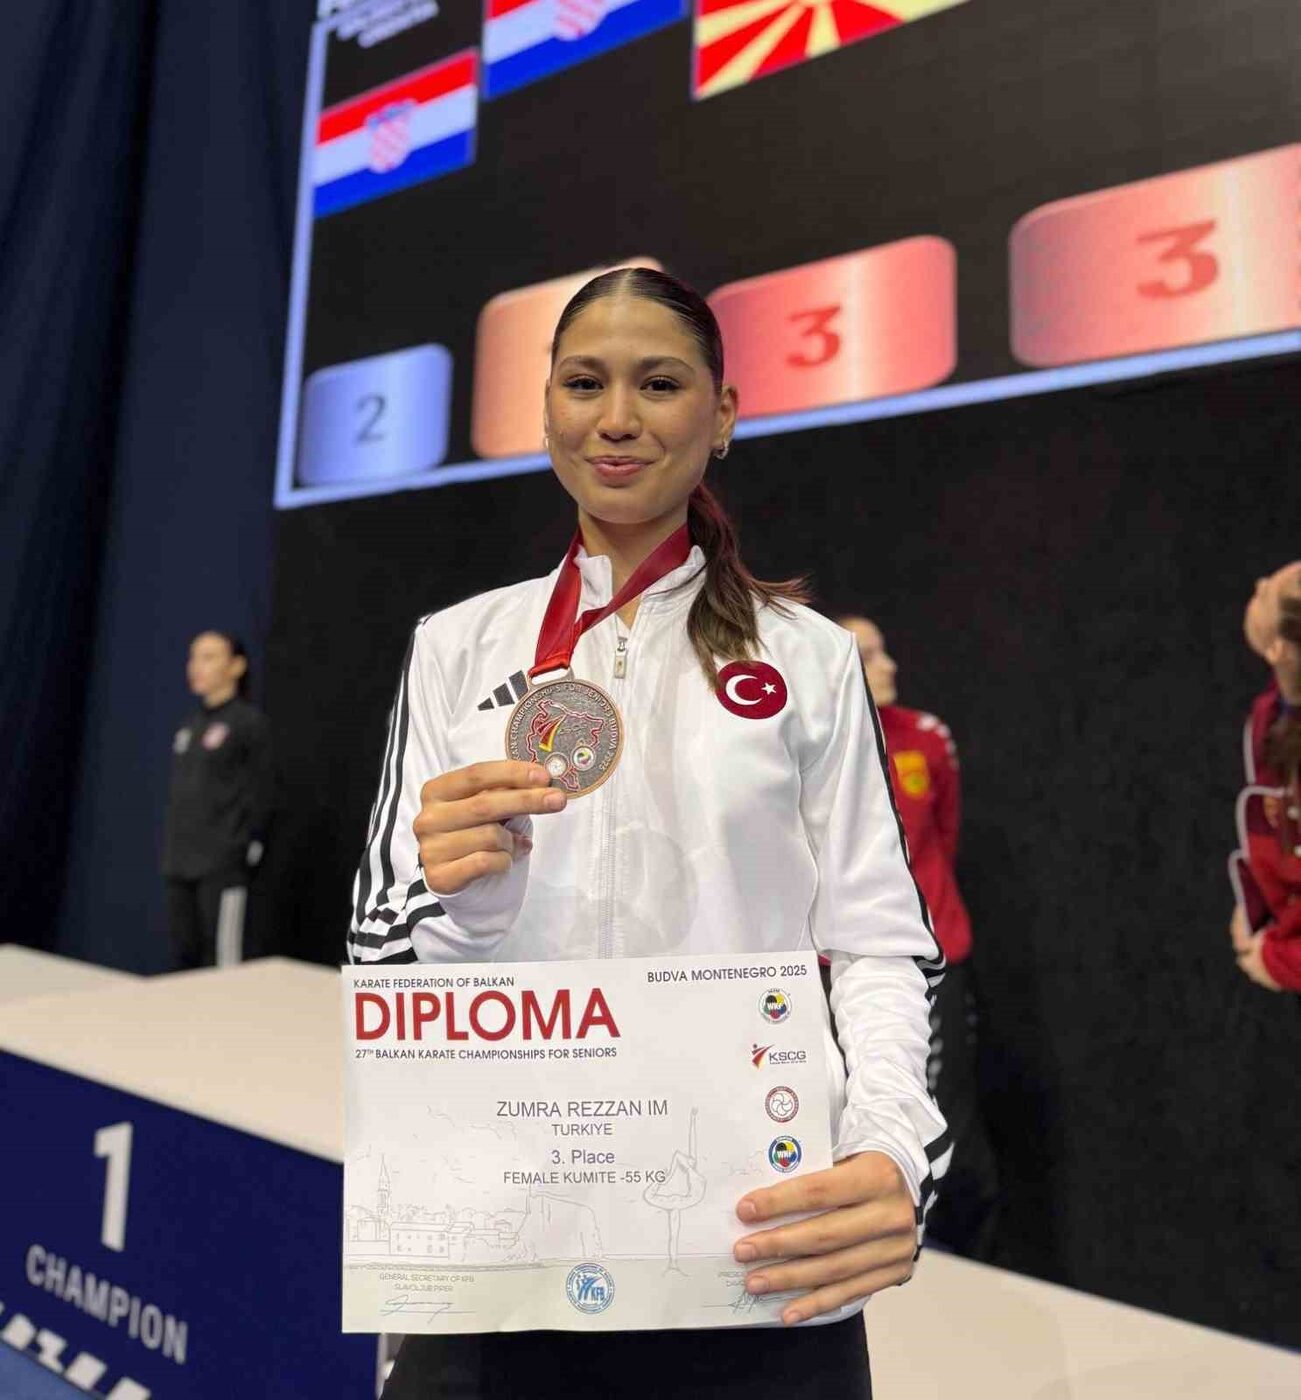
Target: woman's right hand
[{"x": 460, "y": 827}]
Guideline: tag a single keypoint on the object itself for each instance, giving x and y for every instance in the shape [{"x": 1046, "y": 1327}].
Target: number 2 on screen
[
  {"x": 1201, "y": 267},
  {"x": 369, "y": 429},
  {"x": 826, "y": 342},
  {"x": 114, "y": 1143}
]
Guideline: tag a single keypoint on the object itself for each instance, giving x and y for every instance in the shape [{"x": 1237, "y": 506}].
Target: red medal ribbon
[{"x": 562, "y": 626}]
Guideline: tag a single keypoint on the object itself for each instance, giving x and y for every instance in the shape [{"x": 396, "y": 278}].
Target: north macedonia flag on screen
[{"x": 738, "y": 40}]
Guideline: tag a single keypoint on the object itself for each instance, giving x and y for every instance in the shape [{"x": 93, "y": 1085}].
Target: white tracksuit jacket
[{"x": 716, "y": 833}]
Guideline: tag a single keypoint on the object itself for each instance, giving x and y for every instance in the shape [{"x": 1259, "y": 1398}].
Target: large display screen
[{"x": 893, "y": 209}]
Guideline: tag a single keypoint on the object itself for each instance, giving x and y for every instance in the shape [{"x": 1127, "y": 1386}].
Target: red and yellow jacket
[{"x": 927, "y": 789}]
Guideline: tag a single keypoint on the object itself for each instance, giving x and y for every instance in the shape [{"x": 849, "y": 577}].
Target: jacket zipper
[{"x": 606, "y": 858}]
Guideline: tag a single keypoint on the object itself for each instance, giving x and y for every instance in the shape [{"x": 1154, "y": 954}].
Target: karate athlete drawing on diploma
[
  {"x": 683, "y": 1187},
  {"x": 694, "y": 766}
]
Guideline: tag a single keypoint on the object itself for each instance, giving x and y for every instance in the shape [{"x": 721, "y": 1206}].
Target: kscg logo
[{"x": 761, "y": 1055}]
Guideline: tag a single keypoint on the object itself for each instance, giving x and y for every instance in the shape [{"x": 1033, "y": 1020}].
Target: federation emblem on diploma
[{"x": 563, "y": 1144}]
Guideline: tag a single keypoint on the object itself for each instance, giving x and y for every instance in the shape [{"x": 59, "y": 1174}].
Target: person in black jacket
[{"x": 219, "y": 801}]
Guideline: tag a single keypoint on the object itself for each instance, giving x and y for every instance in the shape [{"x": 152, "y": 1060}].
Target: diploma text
[{"x": 491, "y": 1015}]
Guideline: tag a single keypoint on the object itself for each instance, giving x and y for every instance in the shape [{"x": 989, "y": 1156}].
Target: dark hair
[
  {"x": 1283, "y": 742},
  {"x": 684, "y": 302},
  {"x": 237, "y": 651},
  {"x": 722, "y": 622}
]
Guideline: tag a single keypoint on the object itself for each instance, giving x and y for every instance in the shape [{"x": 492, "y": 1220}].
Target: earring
[{"x": 721, "y": 452}]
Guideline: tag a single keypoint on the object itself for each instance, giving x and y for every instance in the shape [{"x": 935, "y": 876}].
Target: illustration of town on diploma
[{"x": 549, "y": 1229}]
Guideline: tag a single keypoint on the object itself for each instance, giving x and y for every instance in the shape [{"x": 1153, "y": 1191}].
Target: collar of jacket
[{"x": 675, "y": 590}]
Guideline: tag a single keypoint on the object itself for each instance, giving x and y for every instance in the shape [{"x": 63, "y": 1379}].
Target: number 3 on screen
[
  {"x": 1202, "y": 267},
  {"x": 114, "y": 1143},
  {"x": 826, "y": 342}
]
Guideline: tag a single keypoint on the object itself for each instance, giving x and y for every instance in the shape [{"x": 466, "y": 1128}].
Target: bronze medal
[{"x": 572, "y": 729}]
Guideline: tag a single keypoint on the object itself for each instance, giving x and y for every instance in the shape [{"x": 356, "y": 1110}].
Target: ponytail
[{"x": 723, "y": 622}]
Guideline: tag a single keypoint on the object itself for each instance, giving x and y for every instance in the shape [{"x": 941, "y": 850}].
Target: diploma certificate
[{"x": 563, "y": 1144}]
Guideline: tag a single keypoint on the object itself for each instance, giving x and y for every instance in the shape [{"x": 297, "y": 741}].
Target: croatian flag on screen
[
  {"x": 413, "y": 129},
  {"x": 524, "y": 40}
]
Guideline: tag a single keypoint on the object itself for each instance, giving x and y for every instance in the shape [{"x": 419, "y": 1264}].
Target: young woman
[
  {"x": 748, "y": 808},
  {"x": 218, "y": 803}
]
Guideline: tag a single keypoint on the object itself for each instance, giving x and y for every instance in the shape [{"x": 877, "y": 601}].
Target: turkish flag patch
[{"x": 751, "y": 689}]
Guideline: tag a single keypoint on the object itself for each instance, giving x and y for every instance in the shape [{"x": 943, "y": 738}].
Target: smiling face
[
  {"x": 1260, "y": 621},
  {"x": 632, "y": 412}
]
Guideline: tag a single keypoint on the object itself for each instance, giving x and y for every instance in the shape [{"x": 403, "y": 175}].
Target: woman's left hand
[{"x": 863, "y": 1240}]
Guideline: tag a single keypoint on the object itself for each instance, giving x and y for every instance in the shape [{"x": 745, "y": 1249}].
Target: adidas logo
[{"x": 509, "y": 692}]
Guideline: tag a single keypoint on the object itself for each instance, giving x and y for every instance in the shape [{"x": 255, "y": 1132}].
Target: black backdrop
[{"x": 1062, "y": 579}]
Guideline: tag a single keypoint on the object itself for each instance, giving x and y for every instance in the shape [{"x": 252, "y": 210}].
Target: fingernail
[
  {"x": 747, "y": 1210},
  {"x": 553, "y": 801},
  {"x": 539, "y": 776},
  {"x": 756, "y": 1283},
  {"x": 744, "y": 1252},
  {"x": 791, "y": 1315}
]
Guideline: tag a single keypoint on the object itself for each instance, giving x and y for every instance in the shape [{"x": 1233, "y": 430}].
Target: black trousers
[
  {"x": 796, "y": 1363},
  {"x": 192, "y": 909}
]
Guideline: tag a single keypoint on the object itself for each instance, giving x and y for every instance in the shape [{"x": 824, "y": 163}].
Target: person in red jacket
[
  {"x": 925, "y": 776},
  {"x": 1270, "y": 953},
  {"x": 927, "y": 790}
]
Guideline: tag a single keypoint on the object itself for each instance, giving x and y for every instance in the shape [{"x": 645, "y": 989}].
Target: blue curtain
[
  {"x": 147, "y": 191},
  {"x": 73, "y": 81}
]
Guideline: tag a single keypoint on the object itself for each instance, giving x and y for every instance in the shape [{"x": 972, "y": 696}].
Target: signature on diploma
[
  {"x": 405, "y": 1304},
  {"x": 745, "y": 1302}
]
